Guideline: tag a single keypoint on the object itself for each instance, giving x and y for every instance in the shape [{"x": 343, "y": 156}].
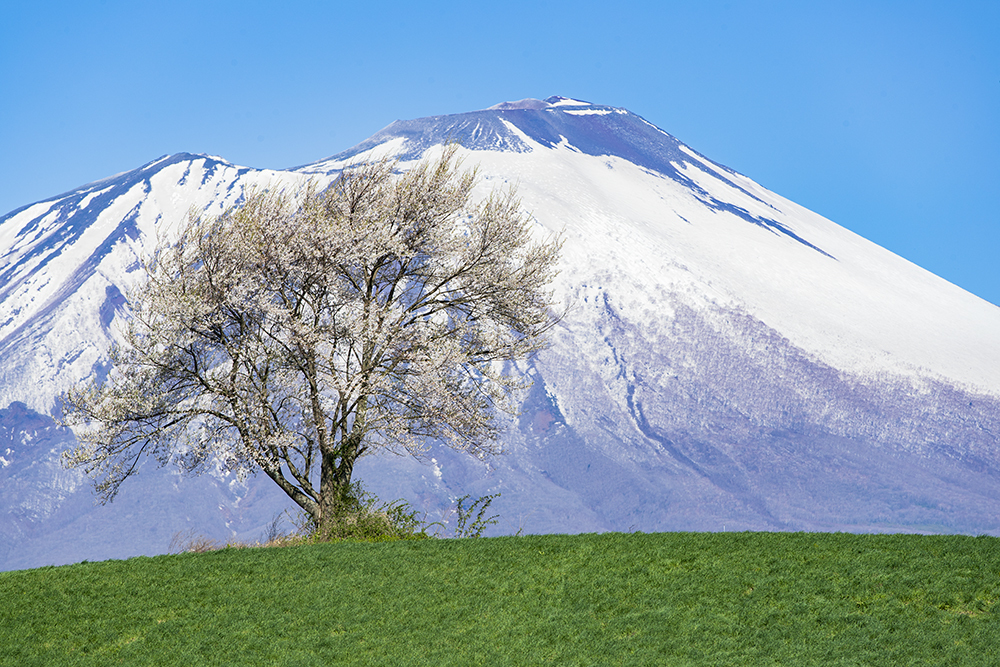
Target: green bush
[{"x": 362, "y": 517}]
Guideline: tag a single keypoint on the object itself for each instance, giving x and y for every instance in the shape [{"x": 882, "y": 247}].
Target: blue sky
[{"x": 882, "y": 116}]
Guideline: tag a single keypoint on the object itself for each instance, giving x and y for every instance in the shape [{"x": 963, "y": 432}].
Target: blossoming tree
[{"x": 297, "y": 332}]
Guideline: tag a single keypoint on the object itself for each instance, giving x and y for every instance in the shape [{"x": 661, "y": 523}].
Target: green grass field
[{"x": 611, "y": 599}]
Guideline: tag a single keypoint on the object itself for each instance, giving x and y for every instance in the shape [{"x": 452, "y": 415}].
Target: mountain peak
[
  {"x": 555, "y": 122},
  {"x": 521, "y": 126},
  {"x": 526, "y": 103},
  {"x": 532, "y": 103}
]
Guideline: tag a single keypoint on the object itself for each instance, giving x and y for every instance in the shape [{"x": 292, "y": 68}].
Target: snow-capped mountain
[{"x": 730, "y": 360}]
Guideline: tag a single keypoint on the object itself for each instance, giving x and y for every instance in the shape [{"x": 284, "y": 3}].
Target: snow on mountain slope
[
  {"x": 849, "y": 302},
  {"x": 852, "y": 303},
  {"x": 732, "y": 342},
  {"x": 67, "y": 262},
  {"x": 729, "y": 360}
]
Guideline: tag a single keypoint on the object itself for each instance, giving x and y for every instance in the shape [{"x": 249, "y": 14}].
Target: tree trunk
[{"x": 336, "y": 472}]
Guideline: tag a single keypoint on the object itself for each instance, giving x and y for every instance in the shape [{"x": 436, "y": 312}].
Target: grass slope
[{"x": 611, "y": 599}]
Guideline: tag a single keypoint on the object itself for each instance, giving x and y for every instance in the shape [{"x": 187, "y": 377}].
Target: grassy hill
[{"x": 611, "y": 599}]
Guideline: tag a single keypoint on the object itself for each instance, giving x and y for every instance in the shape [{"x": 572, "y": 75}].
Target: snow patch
[
  {"x": 385, "y": 149},
  {"x": 567, "y": 102},
  {"x": 85, "y": 202},
  {"x": 531, "y": 143}
]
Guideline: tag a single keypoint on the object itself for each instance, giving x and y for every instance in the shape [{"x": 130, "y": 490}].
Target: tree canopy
[{"x": 299, "y": 331}]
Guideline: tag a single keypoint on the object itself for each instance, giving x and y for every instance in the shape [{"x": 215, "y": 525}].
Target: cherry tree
[{"x": 300, "y": 331}]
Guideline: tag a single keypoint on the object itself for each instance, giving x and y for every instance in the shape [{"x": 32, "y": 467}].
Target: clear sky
[{"x": 882, "y": 116}]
